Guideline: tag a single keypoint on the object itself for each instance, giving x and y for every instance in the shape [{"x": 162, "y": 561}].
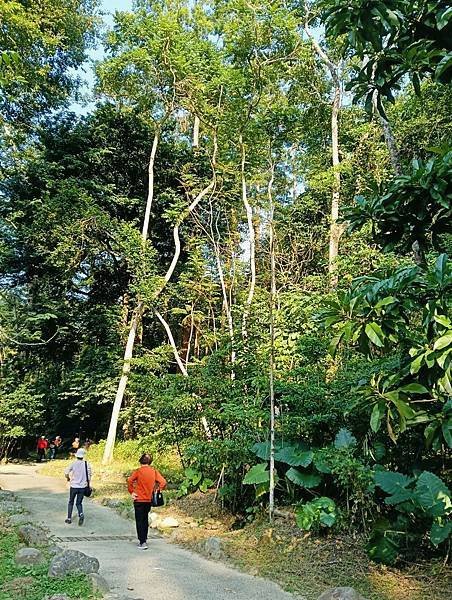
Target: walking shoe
[
  {"x": 81, "y": 518},
  {"x": 68, "y": 521},
  {"x": 142, "y": 546}
]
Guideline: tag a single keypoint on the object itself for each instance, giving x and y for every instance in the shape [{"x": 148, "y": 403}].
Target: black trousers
[
  {"x": 142, "y": 520},
  {"x": 76, "y": 494},
  {"x": 41, "y": 454}
]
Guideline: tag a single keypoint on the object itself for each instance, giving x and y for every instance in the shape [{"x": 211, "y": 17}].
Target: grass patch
[
  {"x": 308, "y": 565},
  {"x": 109, "y": 481},
  {"x": 32, "y": 582}
]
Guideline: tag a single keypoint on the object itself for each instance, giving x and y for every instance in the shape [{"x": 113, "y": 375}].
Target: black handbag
[
  {"x": 157, "y": 499},
  {"x": 88, "y": 489}
]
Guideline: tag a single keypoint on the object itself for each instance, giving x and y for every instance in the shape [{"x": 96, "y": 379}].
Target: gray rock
[
  {"x": 72, "y": 561},
  {"x": 54, "y": 550},
  {"x": 57, "y": 597},
  {"x": 99, "y": 583},
  {"x": 214, "y": 548},
  {"x": 10, "y": 507},
  {"x": 28, "y": 556},
  {"x": 341, "y": 593},
  {"x": 31, "y": 534},
  {"x": 19, "y": 519}
]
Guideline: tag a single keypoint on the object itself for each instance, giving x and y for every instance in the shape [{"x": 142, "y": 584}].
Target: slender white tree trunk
[
  {"x": 271, "y": 503},
  {"x": 335, "y": 228},
  {"x": 224, "y": 292},
  {"x": 136, "y": 319},
  {"x": 252, "y": 245},
  {"x": 196, "y": 133}
]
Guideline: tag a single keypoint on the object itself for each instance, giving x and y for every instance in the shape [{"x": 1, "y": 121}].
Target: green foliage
[
  {"x": 415, "y": 208},
  {"x": 415, "y": 37},
  {"x": 194, "y": 480},
  {"x": 422, "y": 507},
  {"x": 318, "y": 513}
]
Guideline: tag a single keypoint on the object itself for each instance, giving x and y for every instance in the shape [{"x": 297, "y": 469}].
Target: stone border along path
[{"x": 164, "y": 572}]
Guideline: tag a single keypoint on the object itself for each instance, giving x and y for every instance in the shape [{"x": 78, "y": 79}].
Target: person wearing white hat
[{"x": 79, "y": 475}]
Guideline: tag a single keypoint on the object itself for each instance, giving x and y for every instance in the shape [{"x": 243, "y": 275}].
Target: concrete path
[{"x": 164, "y": 572}]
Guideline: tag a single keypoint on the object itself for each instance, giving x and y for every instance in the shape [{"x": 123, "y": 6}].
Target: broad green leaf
[
  {"x": 395, "y": 484},
  {"x": 446, "y": 428},
  {"x": 375, "y": 334},
  {"x": 327, "y": 519},
  {"x": 432, "y": 494},
  {"x": 443, "y": 341},
  {"x": 321, "y": 464},
  {"x": 294, "y": 457},
  {"x": 444, "y": 17},
  {"x": 375, "y": 418},
  {"x": 257, "y": 474},
  {"x": 404, "y": 409},
  {"x": 416, "y": 364},
  {"x": 443, "y": 320},
  {"x": 441, "y": 267},
  {"x": 385, "y": 302},
  {"x": 414, "y": 388},
  {"x": 440, "y": 532},
  {"x": 307, "y": 480}
]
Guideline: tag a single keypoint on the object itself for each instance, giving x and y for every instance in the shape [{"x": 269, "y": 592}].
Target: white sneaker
[{"x": 142, "y": 546}]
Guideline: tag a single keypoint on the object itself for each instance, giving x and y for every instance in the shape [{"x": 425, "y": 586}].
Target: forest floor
[{"x": 302, "y": 564}]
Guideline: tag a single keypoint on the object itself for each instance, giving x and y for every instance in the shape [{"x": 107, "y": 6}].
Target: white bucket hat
[{"x": 80, "y": 453}]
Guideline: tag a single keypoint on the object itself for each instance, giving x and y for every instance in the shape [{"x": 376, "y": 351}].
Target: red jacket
[
  {"x": 144, "y": 481},
  {"x": 42, "y": 444}
]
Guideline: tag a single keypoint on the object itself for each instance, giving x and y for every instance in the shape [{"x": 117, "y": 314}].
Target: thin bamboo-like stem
[{"x": 271, "y": 503}]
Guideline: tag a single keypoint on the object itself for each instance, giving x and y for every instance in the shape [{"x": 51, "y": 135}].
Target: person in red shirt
[
  {"x": 41, "y": 447},
  {"x": 141, "y": 485}
]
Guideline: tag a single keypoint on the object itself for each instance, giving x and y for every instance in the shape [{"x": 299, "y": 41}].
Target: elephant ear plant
[{"x": 419, "y": 511}]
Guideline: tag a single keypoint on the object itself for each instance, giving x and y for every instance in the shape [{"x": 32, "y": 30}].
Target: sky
[{"x": 86, "y": 72}]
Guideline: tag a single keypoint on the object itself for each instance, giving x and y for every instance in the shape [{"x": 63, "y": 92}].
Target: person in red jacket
[
  {"x": 141, "y": 485},
  {"x": 41, "y": 447}
]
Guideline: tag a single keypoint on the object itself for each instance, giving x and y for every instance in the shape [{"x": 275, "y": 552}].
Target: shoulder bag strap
[{"x": 87, "y": 476}]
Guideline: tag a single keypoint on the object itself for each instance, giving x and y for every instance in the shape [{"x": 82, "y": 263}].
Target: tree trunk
[
  {"x": 226, "y": 304},
  {"x": 271, "y": 502},
  {"x": 335, "y": 228},
  {"x": 391, "y": 144},
  {"x": 196, "y": 133},
  {"x": 111, "y": 437},
  {"x": 252, "y": 242},
  {"x": 136, "y": 319}
]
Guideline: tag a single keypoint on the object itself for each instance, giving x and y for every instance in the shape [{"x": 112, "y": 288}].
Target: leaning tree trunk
[
  {"x": 390, "y": 141},
  {"x": 136, "y": 319}
]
